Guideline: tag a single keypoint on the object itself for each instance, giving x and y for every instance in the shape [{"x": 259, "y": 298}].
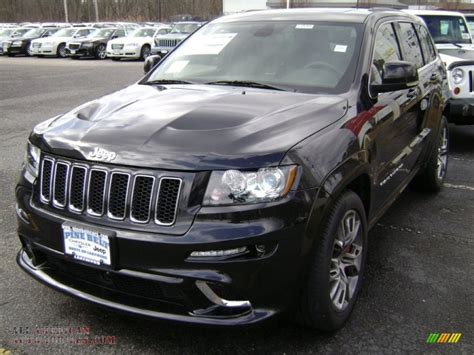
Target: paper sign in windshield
[{"x": 210, "y": 45}]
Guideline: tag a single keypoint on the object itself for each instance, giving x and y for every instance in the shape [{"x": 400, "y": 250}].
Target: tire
[
  {"x": 101, "y": 52},
  {"x": 335, "y": 269},
  {"x": 29, "y": 53},
  {"x": 431, "y": 178},
  {"x": 60, "y": 52},
  {"x": 145, "y": 52}
]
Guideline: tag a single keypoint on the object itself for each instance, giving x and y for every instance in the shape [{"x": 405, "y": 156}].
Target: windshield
[
  {"x": 5, "y": 33},
  {"x": 305, "y": 57},
  {"x": 101, "y": 33},
  {"x": 65, "y": 32},
  {"x": 447, "y": 29},
  {"x": 144, "y": 32},
  {"x": 37, "y": 32},
  {"x": 184, "y": 27},
  {"x": 470, "y": 23}
]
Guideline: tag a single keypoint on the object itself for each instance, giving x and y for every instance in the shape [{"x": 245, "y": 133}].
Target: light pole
[
  {"x": 96, "y": 8},
  {"x": 287, "y": 4},
  {"x": 66, "y": 16}
]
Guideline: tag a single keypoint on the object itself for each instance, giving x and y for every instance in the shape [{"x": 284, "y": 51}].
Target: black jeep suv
[{"x": 239, "y": 178}]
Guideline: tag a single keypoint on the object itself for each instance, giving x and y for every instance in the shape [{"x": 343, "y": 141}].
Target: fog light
[
  {"x": 456, "y": 91},
  {"x": 217, "y": 253}
]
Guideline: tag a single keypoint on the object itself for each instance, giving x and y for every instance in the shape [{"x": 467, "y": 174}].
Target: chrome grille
[
  {"x": 96, "y": 195},
  {"x": 61, "y": 172},
  {"x": 74, "y": 46},
  {"x": 118, "y": 190},
  {"x": 168, "y": 191},
  {"x": 108, "y": 193},
  {"x": 141, "y": 198},
  {"x": 168, "y": 42}
]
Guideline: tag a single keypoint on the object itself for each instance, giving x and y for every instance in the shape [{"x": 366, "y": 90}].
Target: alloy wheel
[
  {"x": 442, "y": 154},
  {"x": 346, "y": 260},
  {"x": 101, "y": 52}
]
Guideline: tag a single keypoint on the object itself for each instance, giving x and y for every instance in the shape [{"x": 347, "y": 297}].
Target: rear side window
[
  {"x": 385, "y": 50},
  {"x": 119, "y": 33},
  {"x": 427, "y": 46},
  {"x": 410, "y": 45}
]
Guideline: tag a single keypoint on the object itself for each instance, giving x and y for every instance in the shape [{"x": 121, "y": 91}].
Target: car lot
[{"x": 418, "y": 278}]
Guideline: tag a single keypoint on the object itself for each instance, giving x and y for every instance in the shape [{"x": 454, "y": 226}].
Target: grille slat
[
  {"x": 101, "y": 192},
  {"x": 167, "y": 202},
  {"x": 77, "y": 188},
  {"x": 96, "y": 197},
  {"x": 60, "y": 182},
  {"x": 46, "y": 174},
  {"x": 141, "y": 198},
  {"x": 118, "y": 195}
]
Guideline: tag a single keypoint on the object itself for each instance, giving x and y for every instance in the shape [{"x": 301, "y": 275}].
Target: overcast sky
[{"x": 242, "y": 5}]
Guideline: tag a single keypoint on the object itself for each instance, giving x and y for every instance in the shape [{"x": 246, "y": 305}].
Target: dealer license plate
[{"x": 86, "y": 245}]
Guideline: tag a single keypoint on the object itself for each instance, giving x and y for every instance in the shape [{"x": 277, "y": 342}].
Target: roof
[
  {"x": 433, "y": 13},
  {"x": 311, "y": 14}
]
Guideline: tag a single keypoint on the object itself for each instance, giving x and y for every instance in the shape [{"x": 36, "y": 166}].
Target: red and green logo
[{"x": 443, "y": 338}]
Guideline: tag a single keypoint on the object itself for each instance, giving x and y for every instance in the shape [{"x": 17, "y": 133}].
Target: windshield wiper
[
  {"x": 249, "y": 84},
  {"x": 166, "y": 81}
]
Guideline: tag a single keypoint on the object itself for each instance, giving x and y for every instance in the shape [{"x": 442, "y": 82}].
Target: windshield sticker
[
  {"x": 466, "y": 36},
  {"x": 304, "y": 27},
  {"x": 340, "y": 48},
  {"x": 177, "y": 67},
  {"x": 210, "y": 45}
]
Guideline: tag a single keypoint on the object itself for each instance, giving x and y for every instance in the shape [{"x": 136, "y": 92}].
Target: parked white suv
[
  {"x": 55, "y": 44},
  {"x": 452, "y": 37},
  {"x": 137, "y": 45}
]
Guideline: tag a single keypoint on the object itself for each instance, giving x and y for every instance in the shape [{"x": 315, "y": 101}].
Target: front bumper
[
  {"x": 461, "y": 111},
  {"x": 43, "y": 50},
  {"x": 124, "y": 53},
  {"x": 152, "y": 274},
  {"x": 13, "y": 50},
  {"x": 80, "y": 52},
  {"x": 161, "y": 51}
]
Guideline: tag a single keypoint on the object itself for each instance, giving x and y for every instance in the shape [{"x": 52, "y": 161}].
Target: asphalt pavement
[{"x": 419, "y": 278}]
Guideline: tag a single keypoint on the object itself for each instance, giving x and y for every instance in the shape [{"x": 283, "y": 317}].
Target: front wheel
[
  {"x": 29, "y": 51},
  {"x": 101, "y": 51},
  {"x": 61, "y": 52},
  {"x": 432, "y": 177},
  {"x": 336, "y": 266},
  {"x": 145, "y": 52}
]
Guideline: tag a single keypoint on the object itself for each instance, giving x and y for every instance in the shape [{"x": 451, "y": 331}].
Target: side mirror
[
  {"x": 399, "y": 75},
  {"x": 150, "y": 62}
]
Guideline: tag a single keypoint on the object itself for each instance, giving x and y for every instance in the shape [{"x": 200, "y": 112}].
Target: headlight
[
  {"x": 32, "y": 159},
  {"x": 87, "y": 44},
  {"x": 458, "y": 75},
  {"x": 17, "y": 43},
  {"x": 244, "y": 187}
]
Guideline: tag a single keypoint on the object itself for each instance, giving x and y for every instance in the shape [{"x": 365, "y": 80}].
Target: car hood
[
  {"x": 190, "y": 127},
  {"x": 125, "y": 40},
  {"x": 173, "y": 36},
  {"x": 54, "y": 39},
  {"x": 86, "y": 39},
  {"x": 461, "y": 51}
]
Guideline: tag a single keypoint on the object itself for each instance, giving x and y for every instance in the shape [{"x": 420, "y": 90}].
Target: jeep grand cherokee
[{"x": 239, "y": 178}]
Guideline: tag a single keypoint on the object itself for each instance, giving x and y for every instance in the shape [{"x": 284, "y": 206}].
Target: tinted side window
[
  {"x": 385, "y": 50},
  {"x": 410, "y": 45},
  {"x": 119, "y": 33},
  {"x": 427, "y": 46}
]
